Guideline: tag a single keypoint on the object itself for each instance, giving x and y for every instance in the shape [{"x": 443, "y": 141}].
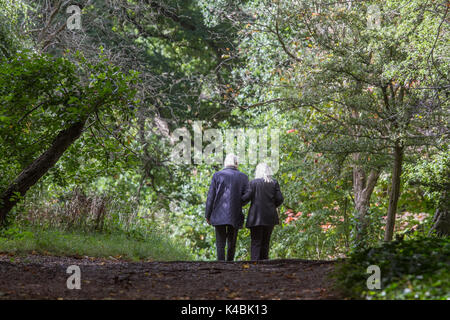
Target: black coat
[
  {"x": 265, "y": 198},
  {"x": 224, "y": 202}
]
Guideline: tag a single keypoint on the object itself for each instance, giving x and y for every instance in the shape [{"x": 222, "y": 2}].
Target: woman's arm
[
  {"x": 246, "y": 197},
  {"x": 278, "y": 196}
]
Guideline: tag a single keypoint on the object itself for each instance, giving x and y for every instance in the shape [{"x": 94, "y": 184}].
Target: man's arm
[
  {"x": 246, "y": 192},
  {"x": 210, "y": 199}
]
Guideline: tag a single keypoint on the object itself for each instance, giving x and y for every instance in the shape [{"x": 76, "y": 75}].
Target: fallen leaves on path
[{"x": 44, "y": 277}]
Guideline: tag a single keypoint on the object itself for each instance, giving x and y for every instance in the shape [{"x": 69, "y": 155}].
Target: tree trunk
[
  {"x": 441, "y": 219},
  {"x": 363, "y": 188},
  {"x": 346, "y": 225},
  {"x": 395, "y": 192},
  {"x": 442, "y": 223},
  {"x": 29, "y": 176}
]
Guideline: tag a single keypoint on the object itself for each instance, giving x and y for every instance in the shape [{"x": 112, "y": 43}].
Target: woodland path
[{"x": 45, "y": 277}]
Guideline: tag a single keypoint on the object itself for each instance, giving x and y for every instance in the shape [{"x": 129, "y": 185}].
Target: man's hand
[{"x": 207, "y": 220}]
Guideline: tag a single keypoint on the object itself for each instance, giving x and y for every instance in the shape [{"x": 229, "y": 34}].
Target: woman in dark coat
[{"x": 265, "y": 196}]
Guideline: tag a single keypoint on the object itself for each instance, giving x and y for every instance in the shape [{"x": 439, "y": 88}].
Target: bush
[{"x": 412, "y": 269}]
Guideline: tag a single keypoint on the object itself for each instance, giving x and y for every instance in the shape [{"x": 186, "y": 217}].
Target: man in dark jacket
[{"x": 224, "y": 206}]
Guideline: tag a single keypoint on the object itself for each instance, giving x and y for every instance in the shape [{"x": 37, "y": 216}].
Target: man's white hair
[
  {"x": 264, "y": 172},
  {"x": 231, "y": 160}
]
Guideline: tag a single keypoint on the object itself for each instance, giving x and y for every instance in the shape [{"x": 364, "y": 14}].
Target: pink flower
[{"x": 288, "y": 220}]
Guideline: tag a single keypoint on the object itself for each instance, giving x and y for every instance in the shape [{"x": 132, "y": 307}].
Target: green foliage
[
  {"x": 313, "y": 70},
  {"x": 13, "y": 19},
  {"x": 413, "y": 269},
  {"x": 123, "y": 245},
  {"x": 40, "y": 95},
  {"x": 351, "y": 91},
  {"x": 432, "y": 175}
]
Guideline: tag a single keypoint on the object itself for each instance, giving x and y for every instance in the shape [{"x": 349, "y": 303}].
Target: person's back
[
  {"x": 224, "y": 199},
  {"x": 224, "y": 206},
  {"x": 265, "y": 198}
]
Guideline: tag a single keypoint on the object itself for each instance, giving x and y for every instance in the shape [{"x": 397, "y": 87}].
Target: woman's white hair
[
  {"x": 231, "y": 160},
  {"x": 264, "y": 172}
]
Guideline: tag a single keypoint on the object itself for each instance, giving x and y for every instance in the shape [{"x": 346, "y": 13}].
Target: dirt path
[{"x": 45, "y": 277}]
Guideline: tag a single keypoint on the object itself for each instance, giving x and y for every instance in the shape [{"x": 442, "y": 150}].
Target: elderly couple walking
[{"x": 230, "y": 190}]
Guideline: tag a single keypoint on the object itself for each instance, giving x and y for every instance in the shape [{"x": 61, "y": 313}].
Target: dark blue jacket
[
  {"x": 265, "y": 198},
  {"x": 224, "y": 203}
]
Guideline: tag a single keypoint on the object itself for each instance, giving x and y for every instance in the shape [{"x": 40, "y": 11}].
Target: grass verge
[{"x": 118, "y": 244}]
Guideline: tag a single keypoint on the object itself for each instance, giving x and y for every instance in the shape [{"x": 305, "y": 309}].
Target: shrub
[{"x": 412, "y": 269}]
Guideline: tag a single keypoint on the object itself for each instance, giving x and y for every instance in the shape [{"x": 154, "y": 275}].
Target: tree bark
[
  {"x": 29, "y": 176},
  {"x": 363, "y": 188},
  {"x": 394, "y": 193},
  {"x": 441, "y": 223},
  {"x": 346, "y": 225},
  {"x": 441, "y": 219}
]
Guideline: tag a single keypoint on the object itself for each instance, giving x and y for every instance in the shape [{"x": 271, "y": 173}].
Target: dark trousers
[
  {"x": 226, "y": 234},
  {"x": 260, "y": 236}
]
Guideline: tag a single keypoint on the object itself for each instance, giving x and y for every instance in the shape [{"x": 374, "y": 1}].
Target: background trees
[
  {"x": 359, "y": 89},
  {"x": 50, "y": 97},
  {"x": 372, "y": 92}
]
